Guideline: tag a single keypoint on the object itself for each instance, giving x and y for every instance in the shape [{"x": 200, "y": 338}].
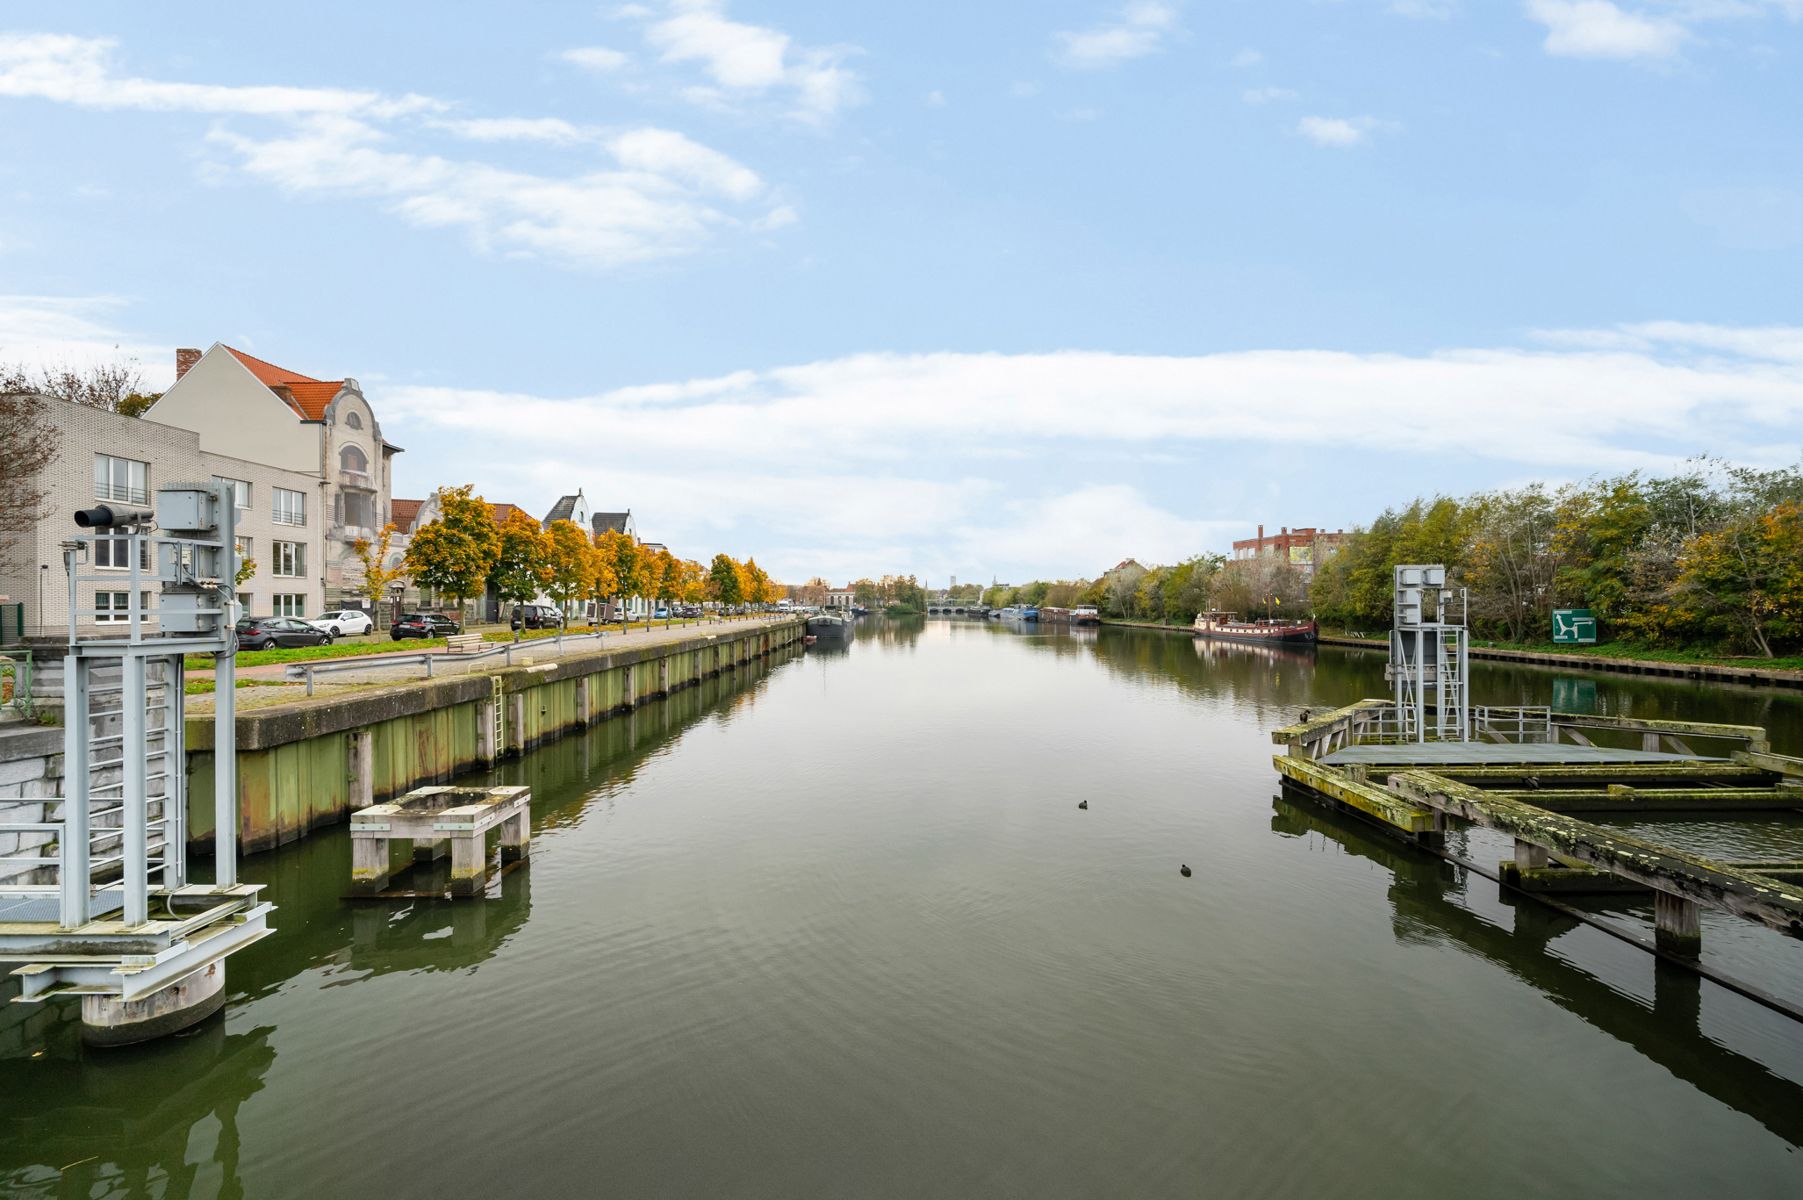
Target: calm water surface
[{"x": 838, "y": 928}]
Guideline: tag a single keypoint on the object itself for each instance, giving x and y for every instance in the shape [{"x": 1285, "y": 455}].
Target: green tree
[
  {"x": 522, "y": 565},
  {"x": 723, "y": 581},
  {"x": 454, "y": 552}
]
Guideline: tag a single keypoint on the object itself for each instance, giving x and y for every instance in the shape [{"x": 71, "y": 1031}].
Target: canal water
[{"x": 838, "y": 927}]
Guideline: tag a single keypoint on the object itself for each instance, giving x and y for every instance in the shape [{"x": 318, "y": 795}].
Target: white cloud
[
  {"x": 77, "y": 70},
  {"x": 743, "y": 61},
  {"x": 935, "y": 99},
  {"x": 596, "y": 58},
  {"x": 76, "y": 331},
  {"x": 1508, "y": 404},
  {"x": 1340, "y": 133},
  {"x": 1267, "y": 95},
  {"x": 948, "y": 454},
  {"x": 1138, "y": 30},
  {"x": 1653, "y": 29},
  {"x": 551, "y": 130},
  {"x": 1601, "y": 29},
  {"x": 663, "y": 194},
  {"x": 1082, "y": 531},
  {"x": 1246, "y": 58}
]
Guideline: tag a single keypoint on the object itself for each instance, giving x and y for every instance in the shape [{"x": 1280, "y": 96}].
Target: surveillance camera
[{"x": 103, "y": 516}]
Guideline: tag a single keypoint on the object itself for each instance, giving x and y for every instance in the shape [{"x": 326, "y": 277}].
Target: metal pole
[
  {"x": 131, "y": 716},
  {"x": 74, "y": 841},
  {"x": 225, "y": 768},
  {"x": 175, "y": 782}
]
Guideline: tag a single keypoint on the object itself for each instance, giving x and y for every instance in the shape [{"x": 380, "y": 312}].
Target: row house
[{"x": 245, "y": 408}]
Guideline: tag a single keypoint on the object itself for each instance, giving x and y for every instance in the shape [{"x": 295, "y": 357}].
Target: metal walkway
[{"x": 1489, "y": 753}]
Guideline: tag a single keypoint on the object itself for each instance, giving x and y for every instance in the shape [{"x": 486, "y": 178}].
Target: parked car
[
  {"x": 346, "y": 622},
  {"x": 423, "y": 625},
  {"x": 262, "y": 633},
  {"x": 536, "y": 616},
  {"x": 662, "y": 614}
]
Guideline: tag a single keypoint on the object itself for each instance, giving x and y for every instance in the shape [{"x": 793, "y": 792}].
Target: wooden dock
[{"x": 1534, "y": 769}]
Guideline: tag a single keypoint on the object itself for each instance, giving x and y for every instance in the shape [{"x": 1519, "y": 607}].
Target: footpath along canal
[{"x": 836, "y": 926}]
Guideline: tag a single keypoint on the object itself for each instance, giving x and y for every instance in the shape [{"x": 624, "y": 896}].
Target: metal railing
[
  {"x": 426, "y": 658},
  {"x": 1518, "y": 724}
]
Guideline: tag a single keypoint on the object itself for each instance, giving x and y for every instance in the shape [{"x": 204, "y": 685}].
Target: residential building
[
  {"x": 245, "y": 408},
  {"x": 107, "y": 458},
  {"x": 841, "y": 598},
  {"x": 572, "y": 508},
  {"x": 1302, "y": 548},
  {"x": 619, "y": 522}
]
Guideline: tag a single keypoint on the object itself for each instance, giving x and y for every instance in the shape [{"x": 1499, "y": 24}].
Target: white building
[
  {"x": 106, "y": 458},
  {"x": 244, "y": 408}
]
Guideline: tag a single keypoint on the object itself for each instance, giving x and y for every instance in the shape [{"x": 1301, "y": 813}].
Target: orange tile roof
[
  {"x": 306, "y": 395},
  {"x": 403, "y": 513},
  {"x": 502, "y": 511}
]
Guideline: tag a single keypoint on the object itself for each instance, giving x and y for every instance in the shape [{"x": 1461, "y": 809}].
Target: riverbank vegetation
[{"x": 1707, "y": 563}]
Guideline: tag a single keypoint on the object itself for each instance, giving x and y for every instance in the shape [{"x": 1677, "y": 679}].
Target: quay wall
[
  {"x": 1749, "y": 676},
  {"x": 308, "y": 765}
]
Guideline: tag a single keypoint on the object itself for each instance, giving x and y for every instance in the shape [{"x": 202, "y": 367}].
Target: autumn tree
[
  {"x": 666, "y": 571},
  {"x": 757, "y": 587},
  {"x": 691, "y": 586},
  {"x": 604, "y": 579},
  {"x": 377, "y": 574},
  {"x": 454, "y": 553},
  {"x": 1746, "y": 578},
  {"x": 570, "y": 563},
  {"x": 521, "y": 568}
]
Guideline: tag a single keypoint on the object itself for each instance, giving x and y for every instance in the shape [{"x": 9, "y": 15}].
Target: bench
[{"x": 463, "y": 643}]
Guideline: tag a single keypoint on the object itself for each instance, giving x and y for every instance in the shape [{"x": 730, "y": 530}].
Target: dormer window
[{"x": 355, "y": 422}]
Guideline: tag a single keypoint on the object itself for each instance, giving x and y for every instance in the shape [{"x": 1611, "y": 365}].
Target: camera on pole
[{"x": 105, "y": 516}]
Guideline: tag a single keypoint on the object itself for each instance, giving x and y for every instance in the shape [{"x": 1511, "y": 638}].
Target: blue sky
[{"x": 1003, "y": 289}]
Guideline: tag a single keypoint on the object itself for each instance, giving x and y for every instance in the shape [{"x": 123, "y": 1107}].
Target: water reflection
[
  {"x": 1425, "y": 899},
  {"x": 135, "y": 1121},
  {"x": 124, "y": 1123}
]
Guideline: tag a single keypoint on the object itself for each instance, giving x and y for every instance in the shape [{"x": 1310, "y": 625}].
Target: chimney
[
  {"x": 1286, "y": 531},
  {"x": 1261, "y": 533},
  {"x": 184, "y": 359}
]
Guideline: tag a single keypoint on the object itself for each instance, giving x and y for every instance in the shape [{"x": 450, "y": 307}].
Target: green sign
[{"x": 1573, "y": 627}]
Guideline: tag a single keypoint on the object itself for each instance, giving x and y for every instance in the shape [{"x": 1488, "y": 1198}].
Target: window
[
  {"x": 246, "y": 549},
  {"x": 290, "y": 507},
  {"x": 114, "y": 554},
  {"x": 289, "y": 604},
  {"x": 352, "y": 458},
  {"x": 123, "y": 479},
  {"x": 111, "y": 608},
  {"x": 240, "y": 493},
  {"x": 247, "y": 603},
  {"x": 353, "y": 420},
  {"x": 289, "y": 560}
]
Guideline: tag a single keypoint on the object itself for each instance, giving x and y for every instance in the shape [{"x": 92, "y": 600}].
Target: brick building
[
  {"x": 1302, "y": 548},
  {"x": 106, "y": 458}
]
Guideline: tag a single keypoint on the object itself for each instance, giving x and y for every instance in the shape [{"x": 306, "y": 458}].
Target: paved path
[{"x": 371, "y": 668}]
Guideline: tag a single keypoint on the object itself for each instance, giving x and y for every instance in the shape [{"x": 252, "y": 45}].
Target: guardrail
[{"x": 307, "y": 670}]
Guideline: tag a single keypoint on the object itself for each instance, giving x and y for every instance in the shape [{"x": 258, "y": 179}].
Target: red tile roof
[
  {"x": 403, "y": 513},
  {"x": 502, "y": 511},
  {"x": 306, "y": 395}
]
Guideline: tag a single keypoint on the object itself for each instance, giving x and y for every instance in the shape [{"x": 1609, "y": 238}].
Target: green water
[{"x": 837, "y": 927}]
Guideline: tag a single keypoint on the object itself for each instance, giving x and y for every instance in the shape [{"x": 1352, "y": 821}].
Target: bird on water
[
  {"x": 1184, "y": 871},
  {"x": 1083, "y": 804}
]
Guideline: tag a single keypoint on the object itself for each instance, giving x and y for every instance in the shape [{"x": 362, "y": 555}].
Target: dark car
[
  {"x": 261, "y": 633},
  {"x": 423, "y": 625},
  {"x": 536, "y": 616}
]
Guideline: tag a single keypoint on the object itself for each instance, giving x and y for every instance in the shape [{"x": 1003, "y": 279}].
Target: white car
[{"x": 346, "y": 623}]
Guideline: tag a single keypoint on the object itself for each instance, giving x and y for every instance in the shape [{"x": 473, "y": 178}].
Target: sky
[{"x": 994, "y": 289}]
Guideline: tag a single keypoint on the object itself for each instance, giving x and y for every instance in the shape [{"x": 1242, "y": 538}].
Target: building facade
[
  {"x": 1302, "y": 548},
  {"x": 105, "y": 458},
  {"x": 242, "y": 407}
]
